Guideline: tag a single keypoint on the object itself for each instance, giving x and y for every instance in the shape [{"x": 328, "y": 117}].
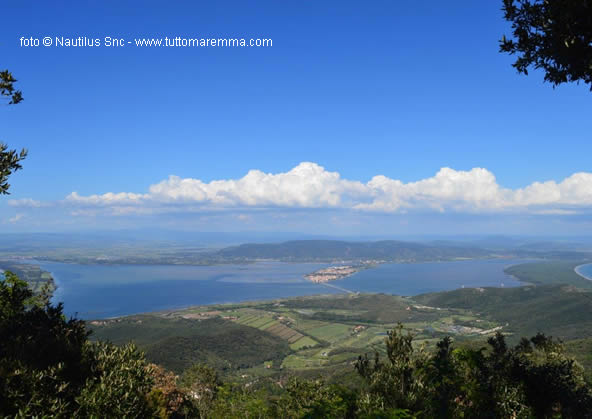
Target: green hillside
[
  {"x": 551, "y": 272},
  {"x": 305, "y": 336},
  {"x": 562, "y": 311},
  {"x": 177, "y": 343}
]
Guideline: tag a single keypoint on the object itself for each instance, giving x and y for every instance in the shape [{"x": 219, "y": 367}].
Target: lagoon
[
  {"x": 420, "y": 278},
  {"x": 101, "y": 291}
]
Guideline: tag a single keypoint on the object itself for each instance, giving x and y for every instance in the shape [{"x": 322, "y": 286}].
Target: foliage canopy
[
  {"x": 9, "y": 159},
  {"x": 553, "y": 35}
]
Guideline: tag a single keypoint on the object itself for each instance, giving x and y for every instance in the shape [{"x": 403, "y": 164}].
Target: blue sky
[{"x": 349, "y": 91}]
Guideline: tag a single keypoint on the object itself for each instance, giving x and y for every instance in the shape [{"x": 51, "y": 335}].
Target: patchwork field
[
  {"x": 321, "y": 333},
  {"x": 276, "y": 324}
]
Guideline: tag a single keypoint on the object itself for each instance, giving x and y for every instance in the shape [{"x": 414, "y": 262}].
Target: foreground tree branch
[{"x": 553, "y": 35}]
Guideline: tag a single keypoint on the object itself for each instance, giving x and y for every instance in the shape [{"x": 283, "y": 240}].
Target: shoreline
[{"x": 576, "y": 270}]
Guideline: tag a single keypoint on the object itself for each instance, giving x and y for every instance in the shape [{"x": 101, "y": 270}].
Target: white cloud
[
  {"x": 575, "y": 190},
  {"x": 26, "y": 202},
  {"x": 309, "y": 185},
  {"x": 476, "y": 189},
  {"x": 16, "y": 218},
  {"x": 556, "y": 211},
  {"x": 108, "y": 199}
]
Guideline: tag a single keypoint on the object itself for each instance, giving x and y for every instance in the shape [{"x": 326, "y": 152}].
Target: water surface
[
  {"x": 99, "y": 291},
  {"x": 585, "y": 270},
  {"x": 419, "y": 278}
]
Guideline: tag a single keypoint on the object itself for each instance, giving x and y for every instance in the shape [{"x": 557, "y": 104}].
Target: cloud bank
[{"x": 311, "y": 186}]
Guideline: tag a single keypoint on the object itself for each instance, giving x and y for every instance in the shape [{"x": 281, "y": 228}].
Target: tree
[
  {"x": 397, "y": 385},
  {"x": 534, "y": 379},
  {"x": 9, "y": 159},
  {"x": 7, "y": 88},
  {"x": 48, "y": 368},
  {"x": 43, "y": 362},
  {"x": 315, "y": 399},
  {"x": 553, "y": 35},
  {"x": 552, "y": 382},
  {"x": 118, "y": 384},
  {"x": 202, "y": 383},
  {"x": 167, "y": 398}
]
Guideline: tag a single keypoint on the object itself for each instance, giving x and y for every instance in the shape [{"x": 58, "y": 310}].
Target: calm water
[
  {"x": 96, "y": 291},
  {"x": 419, "y": 278}
]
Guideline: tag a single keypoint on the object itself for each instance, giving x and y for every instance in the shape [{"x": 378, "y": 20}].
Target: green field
[
  {"x": 298, "y": 336},
  {"x": 330, "y": 332},
  {"x": 303, "y": 342}
]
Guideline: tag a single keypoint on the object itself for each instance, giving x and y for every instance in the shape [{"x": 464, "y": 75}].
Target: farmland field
[{"x": 316, "y": 332}]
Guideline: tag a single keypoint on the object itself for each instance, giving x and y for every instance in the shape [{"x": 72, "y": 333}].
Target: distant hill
[{"x": 329, "y": 250}]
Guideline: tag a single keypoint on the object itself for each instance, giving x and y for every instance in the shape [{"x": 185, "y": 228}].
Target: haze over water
[{"x": 100, "y": 291}]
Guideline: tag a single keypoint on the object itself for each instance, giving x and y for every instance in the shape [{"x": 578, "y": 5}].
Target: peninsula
[{"x": 334, "y": 273}]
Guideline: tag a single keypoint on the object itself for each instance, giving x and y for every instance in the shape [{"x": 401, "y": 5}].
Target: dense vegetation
[
  {"x": 48, "y": 367},
  {"x": 563, "y": 311},
  {"x": 38, "y": 280},
  {"x": 179, "y": 343},
  {"x": 10, "y": 160},
  {"x": 553, "y": 272},
  {"x": 553, "y": 35}
]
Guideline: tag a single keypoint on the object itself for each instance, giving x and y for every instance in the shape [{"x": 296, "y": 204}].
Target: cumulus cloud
[
  {"x": 309, "y": 185},
  {"x": 448, "y": 189}
]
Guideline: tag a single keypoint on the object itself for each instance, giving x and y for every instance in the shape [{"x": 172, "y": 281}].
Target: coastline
[
  {"x": 577, "y": 271},
  {"x": 523, "y": 282}
]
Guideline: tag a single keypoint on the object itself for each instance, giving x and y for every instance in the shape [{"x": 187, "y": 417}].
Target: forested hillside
[{"x": 329, "y": 250}]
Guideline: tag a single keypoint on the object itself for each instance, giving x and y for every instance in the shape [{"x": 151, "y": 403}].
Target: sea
[
  {"x": 103, "y": 291},
  {"x": 585, "y": 270}
]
